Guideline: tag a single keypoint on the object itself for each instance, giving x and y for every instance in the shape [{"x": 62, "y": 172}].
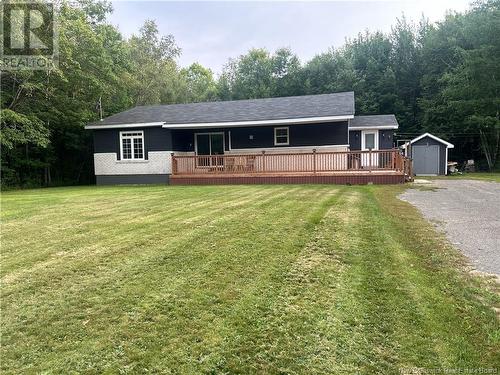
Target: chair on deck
[
  {"x": 354, "y": 161},
  {"x": 250, "y": 164},
  {"x": 229, "y": 164}
]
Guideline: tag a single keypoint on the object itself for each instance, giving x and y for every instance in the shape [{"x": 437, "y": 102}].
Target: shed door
[{"x": 426, "y": 159}]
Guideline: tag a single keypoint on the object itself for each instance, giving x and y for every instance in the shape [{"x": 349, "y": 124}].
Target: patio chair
[
  {"x": 229, "y": 164},
  {"x": 250, "y": 165}
]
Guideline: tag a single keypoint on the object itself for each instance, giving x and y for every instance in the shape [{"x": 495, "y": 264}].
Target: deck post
[
  {"x": 370, "y": 160},
  {"x": 263, "y": 160},
  {"x": 314, "y": 160},
  {"x": 174, "y": 163}
]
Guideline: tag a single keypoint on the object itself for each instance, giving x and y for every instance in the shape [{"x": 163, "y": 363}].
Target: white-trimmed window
[
  {"x": 281, "y": 136},
  {"x": 132, "y": 145},
  {"x": 369, "y": 140}
]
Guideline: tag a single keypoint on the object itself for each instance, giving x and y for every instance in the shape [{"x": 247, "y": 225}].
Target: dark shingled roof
[
  {"x": 291, "y": 107},
  {"x": 373, "y": 121}
]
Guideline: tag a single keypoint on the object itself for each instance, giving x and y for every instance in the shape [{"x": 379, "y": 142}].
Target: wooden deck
[{"x": 349, "y": 167}]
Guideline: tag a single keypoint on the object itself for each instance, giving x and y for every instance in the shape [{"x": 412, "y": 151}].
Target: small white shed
[{"x": 429, "y": 154}]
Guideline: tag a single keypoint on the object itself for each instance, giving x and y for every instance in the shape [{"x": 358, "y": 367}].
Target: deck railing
[{"x": 289, "y": 163}]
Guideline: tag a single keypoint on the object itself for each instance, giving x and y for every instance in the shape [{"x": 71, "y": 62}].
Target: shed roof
[
  {"x": 374, "y": 121},
  {"x": 448, "y": 144}
]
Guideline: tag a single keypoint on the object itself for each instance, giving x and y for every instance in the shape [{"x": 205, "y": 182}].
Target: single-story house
[
  {"x": 429, "y": 155},
  {"x": 312, "y": 138}
]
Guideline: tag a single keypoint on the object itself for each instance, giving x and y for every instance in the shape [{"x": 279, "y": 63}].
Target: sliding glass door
[{"x": 209, "y": 144}]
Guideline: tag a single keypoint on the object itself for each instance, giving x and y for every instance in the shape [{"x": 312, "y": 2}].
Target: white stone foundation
[{"x": 159, "y": 162}]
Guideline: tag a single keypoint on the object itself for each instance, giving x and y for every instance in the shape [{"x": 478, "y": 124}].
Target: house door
[
  {"x": 209, "y": 144},
  {"x": 369, "y": 141}
]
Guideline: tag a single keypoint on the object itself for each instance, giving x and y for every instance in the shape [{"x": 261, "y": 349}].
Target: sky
[{"x": 212, "y": 32}]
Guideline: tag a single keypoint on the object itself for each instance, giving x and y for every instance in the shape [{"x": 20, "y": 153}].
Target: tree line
[{"x": 442, "y": 78}]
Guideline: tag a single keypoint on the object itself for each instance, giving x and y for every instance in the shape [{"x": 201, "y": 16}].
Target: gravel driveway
[{"x": 469, "y": 213}]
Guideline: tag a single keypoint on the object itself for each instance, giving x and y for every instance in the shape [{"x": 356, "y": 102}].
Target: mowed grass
[
  {"x": 495, "y": 177},
  {"x": 234, "y": 279}
]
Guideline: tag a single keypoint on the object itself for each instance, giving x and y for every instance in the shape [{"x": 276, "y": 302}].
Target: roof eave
[
  {"x": 374, "y": 127},
  {"x": 95, "y": 126},
  {"x": 232, "y": 124}
]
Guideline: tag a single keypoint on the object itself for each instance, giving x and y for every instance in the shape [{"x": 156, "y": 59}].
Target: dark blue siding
[
  {"x": 155, "y": 139},
  {"x": 160, "y": 139},
  {"x": 323, "y": 134},
  {"x": 106, "y": 140},
  {"x": 263, "y": 136},
  {"x": 385, "y": 139},
  {"x": 355, "y": 140}
]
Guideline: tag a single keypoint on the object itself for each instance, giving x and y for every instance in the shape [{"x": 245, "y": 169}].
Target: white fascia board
[
  {"x": 381, "y": 127},
  {"x": 446, "y": 162},
  {"x": 124, "y": 126},
  {"x": 448, "y": 144},
  {"x": 232, "y": 124}
]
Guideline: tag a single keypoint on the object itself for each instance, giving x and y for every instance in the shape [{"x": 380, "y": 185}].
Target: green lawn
[
  {"x": 471, "y": 176},
  {"x": 234, "y": 279}
]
